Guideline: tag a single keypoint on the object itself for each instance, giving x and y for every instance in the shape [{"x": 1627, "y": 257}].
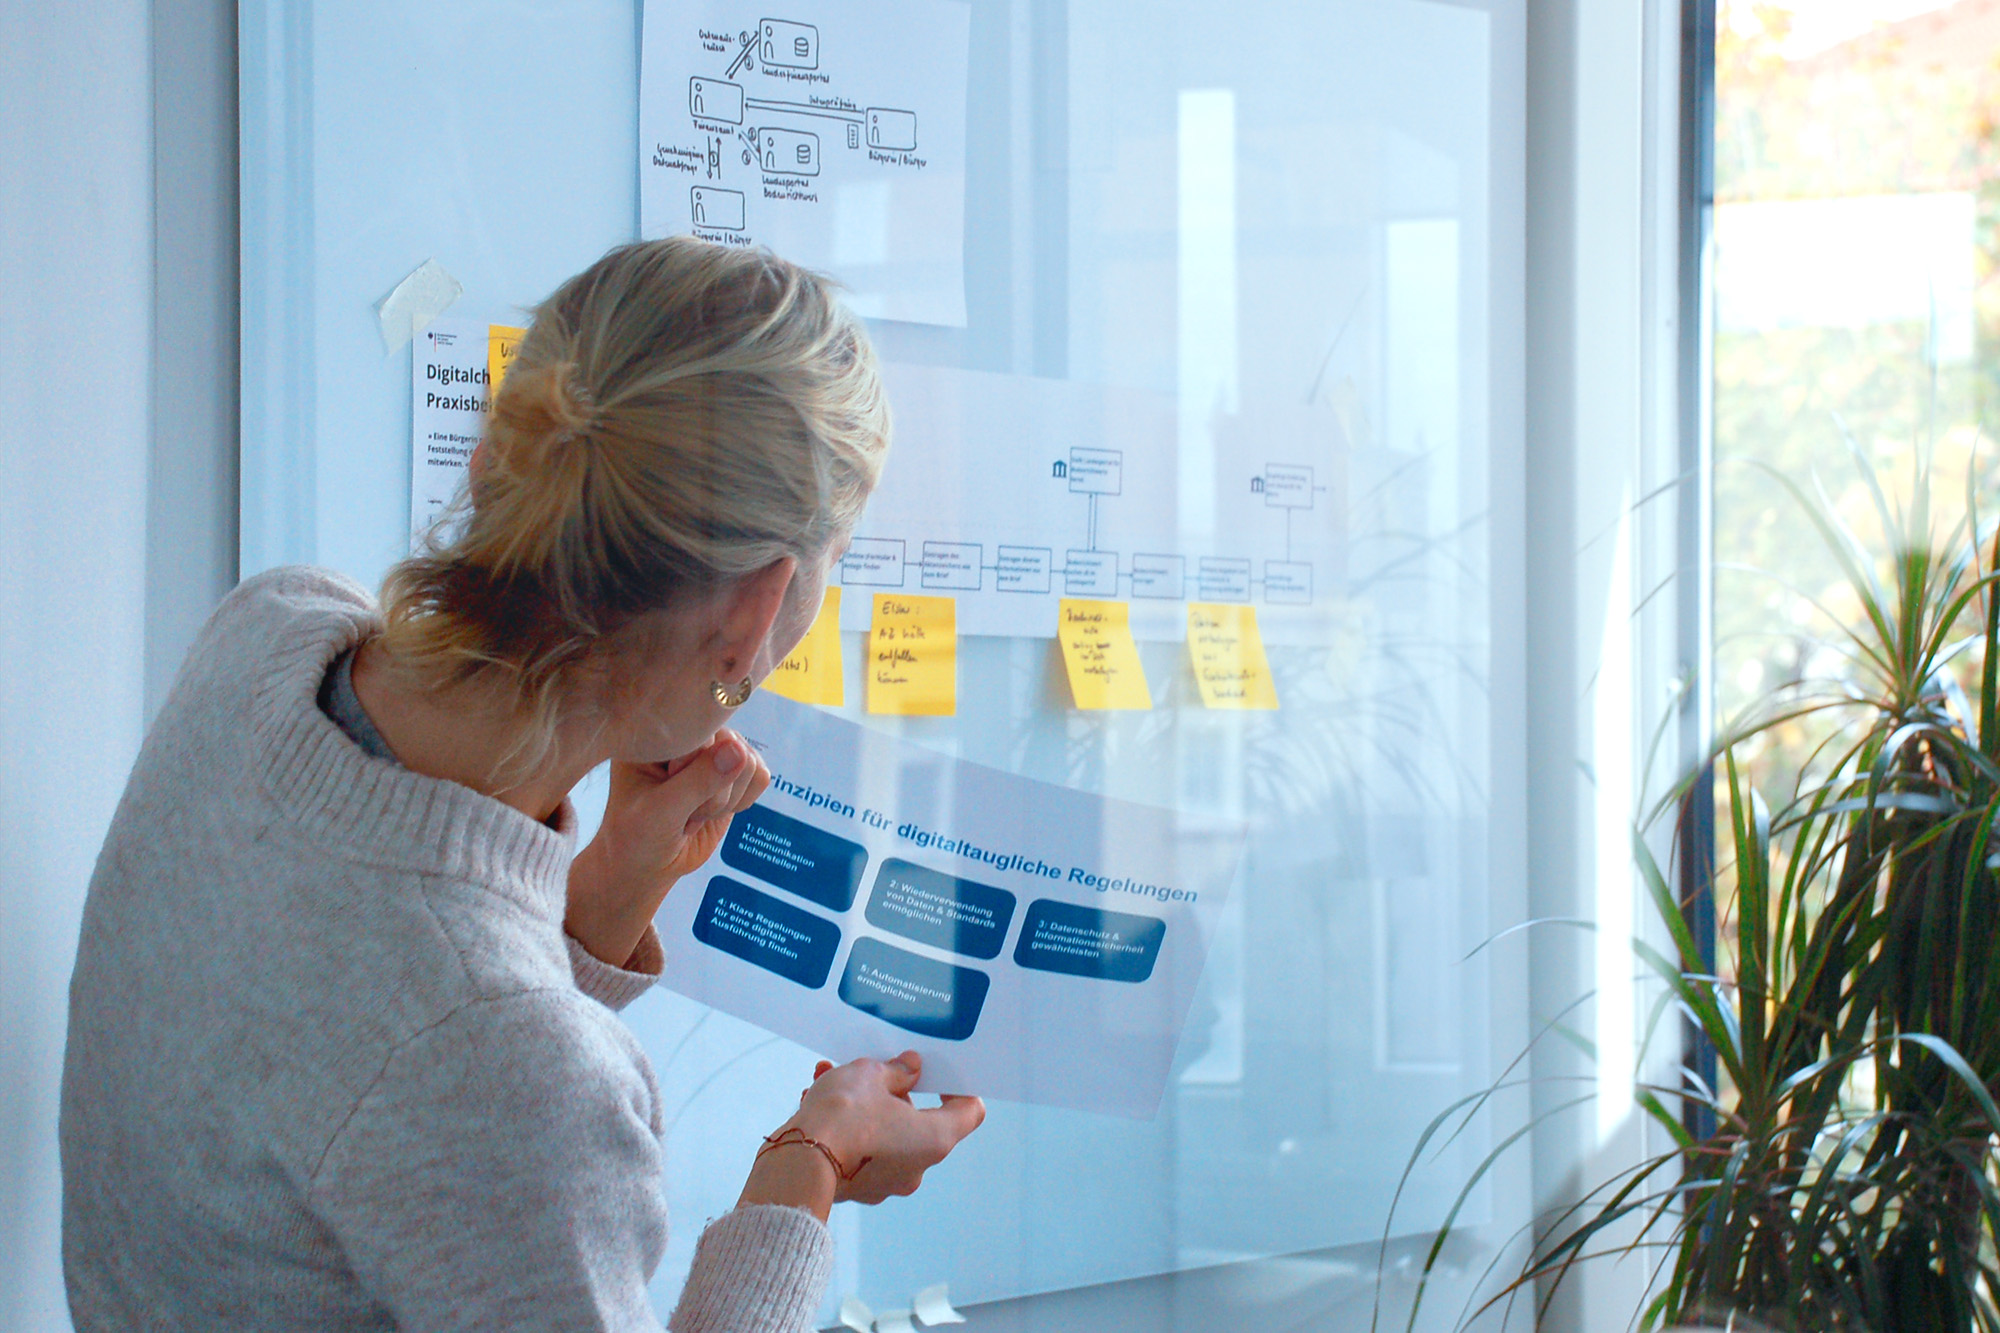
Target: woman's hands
[
  {"x": 863, "y": 1114},
  {"x": 661, "y": 821}
]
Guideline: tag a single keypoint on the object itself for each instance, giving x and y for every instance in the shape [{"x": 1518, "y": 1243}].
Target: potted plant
[{"x": 1849, "y": 1177}]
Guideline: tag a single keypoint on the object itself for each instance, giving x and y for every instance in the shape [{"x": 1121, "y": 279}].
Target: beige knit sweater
[{"x": 332, "y": 1062}]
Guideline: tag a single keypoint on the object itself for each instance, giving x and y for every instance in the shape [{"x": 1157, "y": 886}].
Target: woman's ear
[{"x": 749, "y": 611}]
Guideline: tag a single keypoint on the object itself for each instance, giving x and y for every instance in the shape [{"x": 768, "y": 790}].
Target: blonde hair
[{"x": 679, "y": 415}]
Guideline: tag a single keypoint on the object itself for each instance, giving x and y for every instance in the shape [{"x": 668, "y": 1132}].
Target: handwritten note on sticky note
[
  {"x": 1229, "y": 662},
  {"x": 502, "y": 343},
  {"x": 913, "y": 656},
  {"x": 811, "y": 673},
  {"x": 1103, "y": 662}
]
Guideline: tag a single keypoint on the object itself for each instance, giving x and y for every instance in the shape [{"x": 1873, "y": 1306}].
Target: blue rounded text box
[
  {"x": 767, "y": 931},
  {"x": 917, "y": 994},
  {"x": 943, "y": 911},
  {"x": 818, "y": 866},
  {"x": 1088, "y": 941}
]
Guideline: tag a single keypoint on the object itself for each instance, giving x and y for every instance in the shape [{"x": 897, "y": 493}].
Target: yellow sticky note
[
  {"x": 501, "y": 344},
  {"x": 1229, "y": 662},
  {"x": 1103, "y": 662},
  {"x": 811, "y": 674},
  {"x": 913, "y": 656}
]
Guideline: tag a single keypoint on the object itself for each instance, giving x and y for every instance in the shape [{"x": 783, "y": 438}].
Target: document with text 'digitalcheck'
[{"x": 1034, "y": 943}]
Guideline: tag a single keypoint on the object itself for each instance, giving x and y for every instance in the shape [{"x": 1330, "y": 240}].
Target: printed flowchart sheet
[
  {"x": 1012, "y": 493},
  {"x": 832, "y": 131},
  {"x": 1034, "y": 943}
]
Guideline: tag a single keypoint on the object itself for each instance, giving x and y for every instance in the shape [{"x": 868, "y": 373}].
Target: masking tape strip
[
  {"x": 417, "y": 300},
  {"x": 933, "y": 1306}
]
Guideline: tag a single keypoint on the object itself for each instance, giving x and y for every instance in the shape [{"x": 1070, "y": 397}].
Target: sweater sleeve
[
  {"x": 759, "y": 1269},
  {"x": 616, "y": 987},
  {"x": 504, "y": 1171}
]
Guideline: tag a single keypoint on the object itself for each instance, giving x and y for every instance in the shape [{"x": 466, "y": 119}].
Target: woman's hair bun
[{"x": 542, "y": 406}]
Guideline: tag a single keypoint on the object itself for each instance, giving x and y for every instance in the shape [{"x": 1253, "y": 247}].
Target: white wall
[
  {"x": 76, "y": 185},
  {"x": 83, "y": 609}
]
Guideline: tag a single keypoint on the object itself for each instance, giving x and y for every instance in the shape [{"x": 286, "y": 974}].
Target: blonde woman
[{"x": 342, "y": 1048}]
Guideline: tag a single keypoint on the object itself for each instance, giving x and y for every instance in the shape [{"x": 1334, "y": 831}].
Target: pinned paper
[
  {"x": 502, "y": 343},
  {"x": 913, "y": 656},
  {"x": 811, "y": 674},
  {"x": 855, "y": 1314},
  {"x": 1103, "y": 662},
  {"x": 933, "y": 1306},
  {"x": 894, "y": 1321},
  {"x": 417, "y": 300},
  {"x": 1228, "y": 652}
]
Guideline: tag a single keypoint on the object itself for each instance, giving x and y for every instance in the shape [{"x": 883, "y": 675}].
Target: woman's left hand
[{"x": 660, "y": 822}]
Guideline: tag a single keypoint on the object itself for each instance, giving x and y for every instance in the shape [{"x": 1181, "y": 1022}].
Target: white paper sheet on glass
[
  {"x": 1031, "y": 942},
  {"x": 832, "y": 131},
  {"x": 448, "y": 399},
  {"x": 1011, "y": 492}
]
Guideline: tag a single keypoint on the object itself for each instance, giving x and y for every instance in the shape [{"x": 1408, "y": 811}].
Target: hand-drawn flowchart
[
  {"x": 999, "y": 508},
  {"x": 832, "y": 132}
]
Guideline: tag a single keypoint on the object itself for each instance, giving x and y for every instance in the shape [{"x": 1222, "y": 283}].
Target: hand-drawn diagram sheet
[{"x": 832, "y": 131}]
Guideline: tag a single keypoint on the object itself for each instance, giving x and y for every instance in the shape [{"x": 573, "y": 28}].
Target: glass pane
[
  {"x": 1855, "y": 311},
  {"x": 1229, "y": 314}
]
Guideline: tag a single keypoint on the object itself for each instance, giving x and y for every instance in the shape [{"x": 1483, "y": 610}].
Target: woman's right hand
[{"x": 863, "y": 1114}]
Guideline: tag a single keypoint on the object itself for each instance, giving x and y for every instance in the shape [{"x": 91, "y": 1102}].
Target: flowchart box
[
  {"x": 788, "y": 45},
  {"x": 1162, "y": 576},
  {"x": 892, "y": 129},
  {"x": 1024, "y": 569},
  {"x": 721, "y": 209},
  {"x": 1288, "y": 486},
  {"x": 1288, "y": 581},
  {"x": 788, "y": 152},
  {"x": 715, "y": 99},
  {"x": 873, "y": 562},
  {"x": 1097, "y": 471},
  {"x": 1090, "y": 573},
  {"x": 1220, "y": 579},
  {"x": 951, "y": 565}
]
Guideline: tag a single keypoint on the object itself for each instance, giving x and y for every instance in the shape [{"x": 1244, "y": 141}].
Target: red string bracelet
[{"x": 786, "y": 1138}]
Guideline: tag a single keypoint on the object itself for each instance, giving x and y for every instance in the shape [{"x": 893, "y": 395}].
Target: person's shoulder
[
  {"x": 275, "y": 614},
  {"x": 272, "y": 603},
  {"x": 290, "y": 590}
]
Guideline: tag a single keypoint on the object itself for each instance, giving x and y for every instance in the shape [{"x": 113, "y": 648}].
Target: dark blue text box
[
  {"x": 816, "y": 865},
  {"x": 940, "y": 910},
  {"x": 767, "y": 931},
  {"x": 920, "y": 995},
  {"x": 1088, "y": 941}
]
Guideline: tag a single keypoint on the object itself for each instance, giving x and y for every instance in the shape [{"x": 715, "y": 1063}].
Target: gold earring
[{"x": 729, "y": 698}]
